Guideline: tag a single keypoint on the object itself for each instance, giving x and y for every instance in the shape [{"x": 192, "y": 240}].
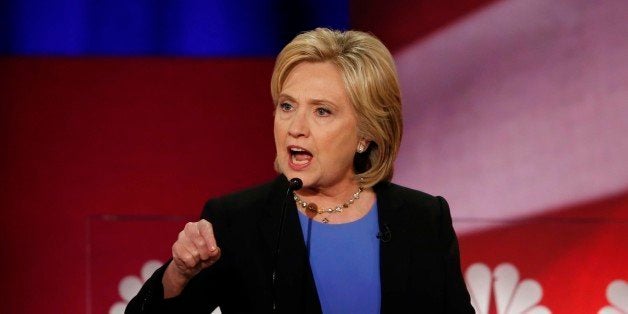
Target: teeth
[{"x": 294, "y": 149}]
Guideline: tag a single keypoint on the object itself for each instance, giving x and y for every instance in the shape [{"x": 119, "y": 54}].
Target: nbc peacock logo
[
  {"x": 129, "y": 286},
  {"x": 617, "y": 296},
  {"x": 503, "y": 288}
]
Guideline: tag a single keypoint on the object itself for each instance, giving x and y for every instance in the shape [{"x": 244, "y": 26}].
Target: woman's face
[{"x": 316, "y": 133}]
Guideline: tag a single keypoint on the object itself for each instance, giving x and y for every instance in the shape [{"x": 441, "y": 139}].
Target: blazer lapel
[
  {"x": 270, "y": 214},
  {"x": 394, "y": 254}
]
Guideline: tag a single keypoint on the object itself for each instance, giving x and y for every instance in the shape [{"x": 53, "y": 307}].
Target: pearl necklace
[{"x": 312, "y": 208}]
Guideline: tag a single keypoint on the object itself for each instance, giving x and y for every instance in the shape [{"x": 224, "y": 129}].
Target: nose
[{"x": 299, "y": 124}]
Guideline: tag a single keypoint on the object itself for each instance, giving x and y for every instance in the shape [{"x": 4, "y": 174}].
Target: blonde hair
[{"x": 371, "y": 82}]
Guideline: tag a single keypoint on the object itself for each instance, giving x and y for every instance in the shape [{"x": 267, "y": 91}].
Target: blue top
[{"x": 345, "y": 263}]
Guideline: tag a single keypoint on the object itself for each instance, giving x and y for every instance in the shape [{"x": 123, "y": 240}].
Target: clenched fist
[{"x": 194, "y": 250}]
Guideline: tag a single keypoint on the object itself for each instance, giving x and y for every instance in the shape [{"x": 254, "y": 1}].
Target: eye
[
  {"x": 322, "y": 112},
  {"x": 284, "y": 106}
]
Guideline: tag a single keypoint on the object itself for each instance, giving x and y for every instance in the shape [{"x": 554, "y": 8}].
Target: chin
[
  {"x": 292, "y": 174},
  {"x": 282, "y": 167}
]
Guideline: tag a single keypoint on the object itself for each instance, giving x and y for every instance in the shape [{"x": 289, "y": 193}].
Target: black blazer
[{"x": 419, "y": 266}]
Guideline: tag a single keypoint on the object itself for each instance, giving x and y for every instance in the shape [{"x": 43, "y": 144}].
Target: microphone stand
[{"x": 294, "y": 185}]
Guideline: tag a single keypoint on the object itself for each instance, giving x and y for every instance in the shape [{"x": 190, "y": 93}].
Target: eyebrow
[
  {"x": 282, "y": 95},
  {"x": 315, "y": 101}
]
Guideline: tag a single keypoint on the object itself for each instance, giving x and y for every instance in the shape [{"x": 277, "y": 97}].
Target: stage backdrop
[
  {"x": 518, "y": 115},
  {"x": 515, "y": 111}
]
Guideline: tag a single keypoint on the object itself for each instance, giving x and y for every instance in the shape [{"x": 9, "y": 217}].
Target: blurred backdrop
[{"x": 118, "y": 119}]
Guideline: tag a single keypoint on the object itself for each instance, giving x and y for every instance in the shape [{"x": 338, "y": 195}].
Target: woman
[{"x": 352, "y": 242}]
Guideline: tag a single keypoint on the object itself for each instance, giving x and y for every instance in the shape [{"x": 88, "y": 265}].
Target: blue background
[{"x": 156, "y": 27}]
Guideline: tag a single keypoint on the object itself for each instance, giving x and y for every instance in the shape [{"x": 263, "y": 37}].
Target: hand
[{"x": 194, "y": 250}]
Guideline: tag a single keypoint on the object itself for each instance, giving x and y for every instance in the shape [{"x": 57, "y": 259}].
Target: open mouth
[{"x": 299, "y": 157}]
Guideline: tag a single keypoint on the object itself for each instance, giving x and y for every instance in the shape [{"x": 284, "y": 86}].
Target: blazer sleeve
[
  {"x": 200, "y": 295},
  {"x": 150, "y": 298},
  {"x": 457, "y": 297}
]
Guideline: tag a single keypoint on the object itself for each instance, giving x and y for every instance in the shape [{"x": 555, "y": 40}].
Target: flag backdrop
[{"x": 118, "y": 119}]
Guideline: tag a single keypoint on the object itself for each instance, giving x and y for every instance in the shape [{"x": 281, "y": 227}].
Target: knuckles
[
  {"x": 189, "y": 260},
  {"x": 191, "y": 249}
]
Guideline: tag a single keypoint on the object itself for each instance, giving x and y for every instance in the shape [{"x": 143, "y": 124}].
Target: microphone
[
  {"x": 385, "y": 235},
  {"x": 294, "y": 184}
]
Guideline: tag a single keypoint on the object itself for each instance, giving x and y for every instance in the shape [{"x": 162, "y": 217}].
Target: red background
[{"x": 92, "y": 136}]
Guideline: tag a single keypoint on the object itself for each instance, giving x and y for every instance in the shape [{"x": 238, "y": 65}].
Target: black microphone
[
  {"x": 385, "y": 235},
  {"x": 294, "y": 184}
]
